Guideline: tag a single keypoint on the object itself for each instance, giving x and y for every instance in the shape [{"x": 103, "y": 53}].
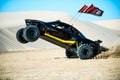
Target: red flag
[
  {"x": 91, "y": 8},
  {"x": 83, "y": 9}
]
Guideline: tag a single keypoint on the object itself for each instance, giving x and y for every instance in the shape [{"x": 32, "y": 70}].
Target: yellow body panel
[{"x": 61, "y": 40}]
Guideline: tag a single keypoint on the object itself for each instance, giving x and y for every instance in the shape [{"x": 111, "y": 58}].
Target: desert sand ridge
[
  {"x": 113, "y": 25},
  {"x": 107, "y": 24},
  {"x": 17, "y": 18},
  {"x": 11, "y": 22}
]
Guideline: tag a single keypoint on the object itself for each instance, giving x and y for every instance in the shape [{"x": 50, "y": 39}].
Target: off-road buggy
[{"x": 61, "y": 34}]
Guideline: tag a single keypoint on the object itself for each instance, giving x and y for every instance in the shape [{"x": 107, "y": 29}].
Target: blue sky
[{"x": 111, "y": 7}]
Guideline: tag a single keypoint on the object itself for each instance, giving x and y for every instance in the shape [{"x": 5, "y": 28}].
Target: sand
[
  {"x": 51, "y": 64},
  {"x": 42, "y": 60}
]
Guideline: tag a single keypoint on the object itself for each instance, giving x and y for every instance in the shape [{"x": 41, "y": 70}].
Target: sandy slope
[
  {"x": 8, "y": 42},
  {"x": 16, "y": 19},
  {"x": 11, "y": 22},
  {"x": 115, "y": 26}
]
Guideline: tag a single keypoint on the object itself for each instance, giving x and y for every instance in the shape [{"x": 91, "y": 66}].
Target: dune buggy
[{"x": 61, "y": 34}]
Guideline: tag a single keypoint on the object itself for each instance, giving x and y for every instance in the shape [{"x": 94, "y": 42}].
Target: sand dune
[
  {"x": 42, "y": 60},
  {"x": 11, "y": 22},
  {"x": 16, "y": 19},
  {"x": 115, "y": 26}
]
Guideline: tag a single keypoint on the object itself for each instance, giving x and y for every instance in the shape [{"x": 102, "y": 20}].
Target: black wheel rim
[
  {"x": 32, "y": 33},
  {"x": 85, "y": 52}
]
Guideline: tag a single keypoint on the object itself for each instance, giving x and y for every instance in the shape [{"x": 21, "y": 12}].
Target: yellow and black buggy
[{"x": 61, "y": 34}]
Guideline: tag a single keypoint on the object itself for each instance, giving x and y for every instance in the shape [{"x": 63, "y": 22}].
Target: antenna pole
[{"x": 73, "y": 17}]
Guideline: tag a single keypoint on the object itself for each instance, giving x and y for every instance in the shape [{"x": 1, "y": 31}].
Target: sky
[{"x": 111, "y": 8}]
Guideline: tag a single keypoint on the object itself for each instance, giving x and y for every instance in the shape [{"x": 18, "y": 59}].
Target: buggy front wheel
[
  {"x": 31, "y": 33},
  {"x": 19, "y": 36}
]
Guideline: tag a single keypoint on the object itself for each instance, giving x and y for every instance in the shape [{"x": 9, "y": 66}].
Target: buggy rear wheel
[
  {"x": 85, "y": 51},
  {"x": 70, "y": 54},
  {"x": 20, "y": 37}
]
